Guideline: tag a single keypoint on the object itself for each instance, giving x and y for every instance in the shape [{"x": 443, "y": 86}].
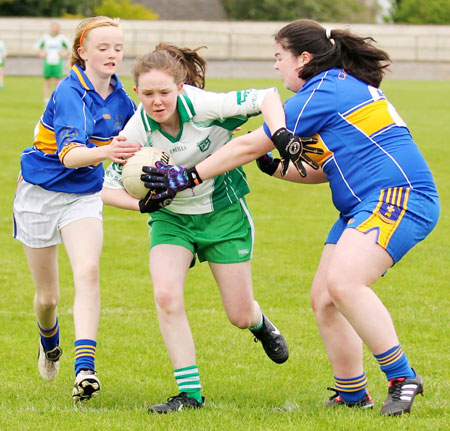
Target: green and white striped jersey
[
  {"x": 3, "y": 52},
  {"x": 207, "y": 120},
  {"x": 53, "y": 45}
]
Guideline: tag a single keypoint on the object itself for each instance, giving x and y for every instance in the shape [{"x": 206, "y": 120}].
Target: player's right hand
[
  {"x": 294, "y": 148},
  {"x": 149, "y": 204},
  {"x": 119, "y": 149}
]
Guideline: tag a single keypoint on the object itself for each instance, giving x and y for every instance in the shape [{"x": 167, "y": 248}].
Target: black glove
[
  {"x": 267, "y": 163},
  {"x": 149, "y": 204},
  {"x": 294, "y": 148}
]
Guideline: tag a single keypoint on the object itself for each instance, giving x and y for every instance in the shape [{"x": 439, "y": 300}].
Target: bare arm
[
  {"x": 117, "y": 150},
  {"x": 239, "y": 151},
  {"x": 119, "y": 198},
  {"x": 273, "y": 112},
  {"x": 313, "y": 176}
]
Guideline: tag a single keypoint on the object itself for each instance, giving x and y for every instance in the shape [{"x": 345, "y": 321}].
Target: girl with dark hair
[
  {"x": 380, "y": 183},
  {"x": 214, "y": 224}
]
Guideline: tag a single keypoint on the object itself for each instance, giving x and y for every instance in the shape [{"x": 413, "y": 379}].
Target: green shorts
[
  {"x": 223, "y": 236},
  {"x": 53, "y": 70}
]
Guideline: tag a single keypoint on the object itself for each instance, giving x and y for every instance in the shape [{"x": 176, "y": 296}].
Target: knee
[
  {"x": 47, "y": 302},
  {"x": 338, "y": 288},
  {"x": 88, "y": 272},
  {"x": 167, "y": 300},
  {"x": 241, "y": 317},
  {"x": 319, "y": 298},
  {"x": 241, "y": 321}
]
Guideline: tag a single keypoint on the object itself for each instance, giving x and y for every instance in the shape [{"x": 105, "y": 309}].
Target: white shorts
[{"x": 39, "y": 214}]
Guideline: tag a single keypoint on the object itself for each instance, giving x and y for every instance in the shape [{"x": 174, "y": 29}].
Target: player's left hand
[
  {"x": 169, "y": 179},
  {"x": 267, "y": 163},
  {"x": 294, "y": 148}
]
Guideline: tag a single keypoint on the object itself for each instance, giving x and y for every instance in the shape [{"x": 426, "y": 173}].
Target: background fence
[{"x": 236, "y": 48}]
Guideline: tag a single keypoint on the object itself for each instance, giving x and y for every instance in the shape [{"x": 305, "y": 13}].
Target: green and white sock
[
  {"x": 257, "y": 325},
  {"x": 188, "y": 380}
]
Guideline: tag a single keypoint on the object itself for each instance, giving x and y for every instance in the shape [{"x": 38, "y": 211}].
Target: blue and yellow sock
[
  {"x": 49, "y": 337},
  {"x": 394, "y": 363},
  {"x": 353, "y": 389},
  {"x": 85, "y": 355},
  {"x": 188, "y": 380}
]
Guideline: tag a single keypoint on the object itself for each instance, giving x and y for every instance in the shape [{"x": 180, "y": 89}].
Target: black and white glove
[{"x": 294, "y": 148}]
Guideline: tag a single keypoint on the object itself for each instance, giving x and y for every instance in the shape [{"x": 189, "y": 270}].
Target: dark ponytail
[{"x": 336, "y": 48}]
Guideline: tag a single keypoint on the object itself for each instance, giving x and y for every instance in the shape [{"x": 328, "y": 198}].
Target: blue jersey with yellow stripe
[
  {"x": 367, "y": 146},
  {"x": 76, "y": 115}
]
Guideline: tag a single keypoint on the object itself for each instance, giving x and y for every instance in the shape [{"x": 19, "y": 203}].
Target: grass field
[{"x": 244, "y": 389}]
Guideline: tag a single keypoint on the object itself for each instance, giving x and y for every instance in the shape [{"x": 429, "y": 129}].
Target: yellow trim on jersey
[
  {"x": 45, "y": 140},
  {"x": 99, "y": 143},
  {"x": 80, "y": 77},
  {"x": 320, "y": 158},
  {"x": 381, "y": 220},
  {"x": 372, "y": 117}
]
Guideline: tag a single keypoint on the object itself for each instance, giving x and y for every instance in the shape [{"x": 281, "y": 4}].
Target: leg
[
  {"x": 83, "y": 240},
  {"x": 342, "y": 344},
  {"x": 43, "y": 263},
  {"x": 356, "y": 263},
  {"x": 168, "y": 267},
  {"x": 235, "y": 285},
  {"x": 47, "y": 90}
]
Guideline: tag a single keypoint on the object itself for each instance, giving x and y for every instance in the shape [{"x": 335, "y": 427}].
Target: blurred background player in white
[
  {"x": 214, "y": 224},
  {"x": 58, "y": 195},
  {"x": 380, "y": 184},
  {"x": 52, "y": 47},
  {"x": 3, "y": 54}
]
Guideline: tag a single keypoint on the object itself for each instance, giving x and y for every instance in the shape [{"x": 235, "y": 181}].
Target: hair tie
[
  {"x": 328, "y": 35},
  {"x": 98, "y": 21}
]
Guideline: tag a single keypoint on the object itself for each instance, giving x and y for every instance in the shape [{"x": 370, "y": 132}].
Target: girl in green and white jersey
[
  {"x": 214, "y": 224},
  {"x": 3, "y": 55}
]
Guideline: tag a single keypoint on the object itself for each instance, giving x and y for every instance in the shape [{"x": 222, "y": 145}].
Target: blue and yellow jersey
[
  {"x": 75, "y": 116},
  {"x": 367, "y": 146}
]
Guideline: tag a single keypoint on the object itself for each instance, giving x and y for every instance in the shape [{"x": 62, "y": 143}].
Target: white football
[{"x": 132, "y": 169}]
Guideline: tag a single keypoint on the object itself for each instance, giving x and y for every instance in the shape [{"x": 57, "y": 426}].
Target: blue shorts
[{"x": 402, "y": 217}]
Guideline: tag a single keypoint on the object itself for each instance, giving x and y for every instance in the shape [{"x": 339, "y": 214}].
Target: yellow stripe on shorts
[{"x": 387, "y": 215}]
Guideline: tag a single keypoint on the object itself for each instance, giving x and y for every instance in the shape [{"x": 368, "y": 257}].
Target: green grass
[{"x": 244, "y": 389}]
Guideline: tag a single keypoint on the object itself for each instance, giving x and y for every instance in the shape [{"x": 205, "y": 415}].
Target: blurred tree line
[
  {"x": 75, "y": 8},
  {"x": 356, "y": 11},
  {"x": 351, "y": 11}
]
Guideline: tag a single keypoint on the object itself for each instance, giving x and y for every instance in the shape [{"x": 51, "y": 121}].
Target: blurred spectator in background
[
  {"x": 52, "y": 47},
  {"x": 3, "y": 55}
]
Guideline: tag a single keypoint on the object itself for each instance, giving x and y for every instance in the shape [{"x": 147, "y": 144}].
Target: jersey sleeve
[
  {"x": 65, "y": 42},
  {"x": 72, "y": 120},
  {"x": 113, "y": 176},
  {"x": 40, "y": 43},
  {"x": 220, "y": 106}
]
